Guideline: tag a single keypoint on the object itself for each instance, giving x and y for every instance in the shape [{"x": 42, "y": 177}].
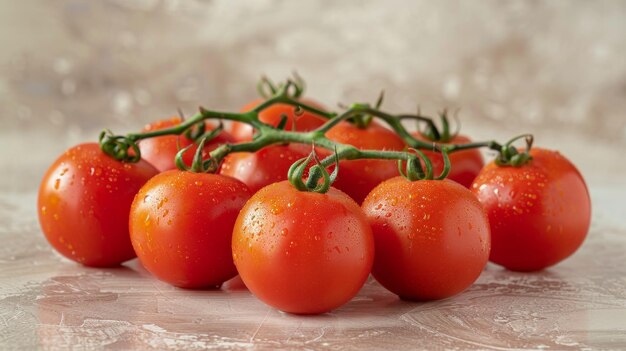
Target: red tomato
[
  {"x": 264, "y": 167},
  {"x": 358, "y": 177},
  {"x": 272, "y": 115},
  {"x": 302, "y": 252},
  {"x": 465, "y": 164},
  {"x": 181, "y": 226},
  {"x": 539, "y": 213},
  {"x": 161, "y": 151},
  {"x": 83, "y": 205},
  {"x": 432, "y": 237}
]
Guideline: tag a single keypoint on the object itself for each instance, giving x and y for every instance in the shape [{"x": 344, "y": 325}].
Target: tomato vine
[{"x": 124, "y": 148}]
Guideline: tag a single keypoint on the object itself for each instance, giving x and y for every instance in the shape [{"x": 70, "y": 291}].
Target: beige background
[{"x": 69, "y": 68}]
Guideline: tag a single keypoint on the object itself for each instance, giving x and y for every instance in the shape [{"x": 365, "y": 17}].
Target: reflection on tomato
[
  {"x": 539, "y": 213},
  {"x": 181, "y": 226},
  {"x": 432, "y": 237},
  {"x": 302, "y": 252},
  {"x": 84, "y": 202}
]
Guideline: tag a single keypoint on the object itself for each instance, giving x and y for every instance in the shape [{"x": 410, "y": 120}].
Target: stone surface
[{"x": 50, "y": 303}]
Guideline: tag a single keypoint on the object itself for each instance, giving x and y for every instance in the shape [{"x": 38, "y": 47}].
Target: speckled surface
[{"x": 51, "y": 303}]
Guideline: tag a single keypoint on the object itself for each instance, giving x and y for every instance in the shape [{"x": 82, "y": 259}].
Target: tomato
[
  {"x": 84, "y": 202},
  {"x": 181, "y": 226},
  {"x": 358, "y": 177},
  {"x": 264, "y": 167},
  {"x": 465, "y": 164},
  {"x": 302, "y": 252},
  {"x": 272, "y": 115},
  {"x": 432, "y": 237},
  {"x": 161, "y": 151},
  {"x": 539, "y": 213}
]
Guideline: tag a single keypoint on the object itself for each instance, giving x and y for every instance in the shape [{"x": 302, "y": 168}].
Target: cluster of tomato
[{"x": 307, "y": 252}]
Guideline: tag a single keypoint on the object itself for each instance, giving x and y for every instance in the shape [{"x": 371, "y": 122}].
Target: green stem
[
  {"x": 395, "y": 123},
  {"x": 295, "y": 103},
  {"x": 491, "y": 144},
  {"x": 117, "y": 146}
]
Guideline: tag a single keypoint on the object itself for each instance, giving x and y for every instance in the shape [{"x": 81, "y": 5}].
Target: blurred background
[{"x": 69, "y": 68}]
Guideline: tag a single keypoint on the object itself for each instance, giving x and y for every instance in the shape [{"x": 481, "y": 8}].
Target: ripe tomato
[
  {"x": 83, "y": 205},
  {"x": 358, "y": 177},
  {"x": 465, "y": 164},
  {"x": 272, "y": 115},
  {"x": 539, "y": 213},
  {"x": 302, "y": 252},
  {"x": 432, "y": 237},
  {"x": 181, "y": 226},
  {"x": 264, "y": 167},
  {"x": 161, "y": 151}
]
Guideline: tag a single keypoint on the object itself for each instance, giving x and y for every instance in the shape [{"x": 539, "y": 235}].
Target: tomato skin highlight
[
  {"x": 83, "y": 205},
  {"x": 540, "y": 213},
  {"x": 302, "y": 252},
  {"x": 181, "y": 227},
  {"x": 272, "y": 115},
  {"x": 161, "y": 151},
  {"x": 465, "y": 164},
  {"x": 432, "y": 237},
  {"x": 358, "y": 177},
  {"x": 264, "y": 167}
]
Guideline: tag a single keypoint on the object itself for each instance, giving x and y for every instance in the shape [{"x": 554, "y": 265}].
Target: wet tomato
[
  {"x": 181, "y": 226},
  {"x": 539, "y": 213},
  {"x": 161, "y": 151},
  {"x": 465, "y": 164},
  {"x": 302, "y": 252},
  {"x": 432, "y": 237},
  {"x": 358, "y": 177},
  {"x": 83, "y": 205},
  {"x": 264, "y": 167},
  {"x": 272, "y": 115}
]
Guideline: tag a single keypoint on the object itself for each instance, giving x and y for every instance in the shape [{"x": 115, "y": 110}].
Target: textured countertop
[{"x": 51, "y": 303}]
